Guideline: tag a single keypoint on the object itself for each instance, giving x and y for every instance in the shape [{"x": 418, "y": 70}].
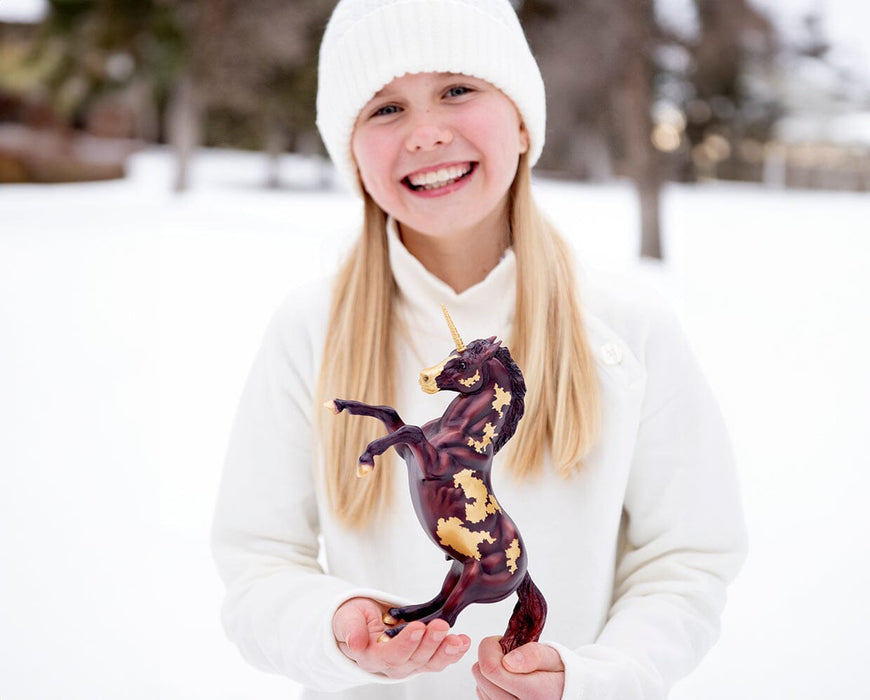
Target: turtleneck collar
[{"x": 482, "y": 310}]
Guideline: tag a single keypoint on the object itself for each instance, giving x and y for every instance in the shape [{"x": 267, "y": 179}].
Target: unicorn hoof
[
  {"x": 389, "y": 619},
  {"x": 383, "y": 638},
  {"x": 394, "y": 631},
  {"x": 332, "y": 406},
  {"x": 363, "y": 469}
]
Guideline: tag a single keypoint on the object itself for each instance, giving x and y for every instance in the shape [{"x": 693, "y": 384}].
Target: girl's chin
[{"x": 454, "y": 226}]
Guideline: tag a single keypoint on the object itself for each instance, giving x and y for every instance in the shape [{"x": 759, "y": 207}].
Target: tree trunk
[
  {"x": 183, "y": 128},
  {"x": 650, "y": 220},
  {"x": 275, "y": 143},
  {"x": 634, "y": 98}
]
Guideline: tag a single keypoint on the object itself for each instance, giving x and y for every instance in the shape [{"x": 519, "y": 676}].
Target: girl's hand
[
  {"x": 358, "y": 624},
  {"x": 532, "y": 672}
]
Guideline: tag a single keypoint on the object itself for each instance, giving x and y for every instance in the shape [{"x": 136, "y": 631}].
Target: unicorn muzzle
[{"x": 429, "y": 377}]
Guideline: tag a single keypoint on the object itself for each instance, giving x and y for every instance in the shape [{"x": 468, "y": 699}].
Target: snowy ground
[{"x": 128, "y": 318}]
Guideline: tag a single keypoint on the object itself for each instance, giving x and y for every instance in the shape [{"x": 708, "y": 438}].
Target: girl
[{"x": 619, "y": 477}]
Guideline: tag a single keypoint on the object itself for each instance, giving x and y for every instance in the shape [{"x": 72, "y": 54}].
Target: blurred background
[
  {"x": 163, "y": 187},
  {"x": 672, "y": 90}
]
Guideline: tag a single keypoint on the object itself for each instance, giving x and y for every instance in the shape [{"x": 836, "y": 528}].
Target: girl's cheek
[
  {"x": 363, "y": 160},
  {"x": 369, "y": 151}
]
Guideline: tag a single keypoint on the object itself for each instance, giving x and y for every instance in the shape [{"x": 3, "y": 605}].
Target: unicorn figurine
[{"x": 449, "y": 460}]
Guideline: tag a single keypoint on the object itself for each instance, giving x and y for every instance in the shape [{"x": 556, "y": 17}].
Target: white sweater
[{"x": 633, "y": 554}]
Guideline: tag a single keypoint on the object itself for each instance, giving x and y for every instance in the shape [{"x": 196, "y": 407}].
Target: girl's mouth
[{"x": 437, "y": 179}]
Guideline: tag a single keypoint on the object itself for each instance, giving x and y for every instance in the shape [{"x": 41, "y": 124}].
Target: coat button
[{"x": 611, "y": 353}]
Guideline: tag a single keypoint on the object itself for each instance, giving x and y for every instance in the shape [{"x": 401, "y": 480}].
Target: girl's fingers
[
  {"x": 351, "y": 626},
  {"x": 533, "y": 657},
  {"x": 421, "y": 647},
  {"x": 434, "y": 634},
  {"x": 449, "y": 652},
  {"x": 394, "y": 654},
  {"x": 532, "y": 671},
  {"x": 357, "y": 626},
  {"x": 407, "y": 652},
  {"x": 486, "y": 688}
]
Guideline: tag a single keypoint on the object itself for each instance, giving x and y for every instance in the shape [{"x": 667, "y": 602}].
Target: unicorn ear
[{"x": 493, "y": 344}]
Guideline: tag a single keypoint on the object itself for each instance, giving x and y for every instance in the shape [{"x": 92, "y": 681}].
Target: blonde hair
[{"x": 548, "y": 343}]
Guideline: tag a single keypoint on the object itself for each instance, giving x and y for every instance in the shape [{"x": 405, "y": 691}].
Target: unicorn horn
[{"x": 460, "y": 346}]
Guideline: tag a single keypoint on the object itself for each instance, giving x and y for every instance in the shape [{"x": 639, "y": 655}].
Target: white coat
[{"x": 633, "y": 553}]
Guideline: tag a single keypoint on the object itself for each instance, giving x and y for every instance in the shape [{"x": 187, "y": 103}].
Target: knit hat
[{"x": 368, "y": 43}]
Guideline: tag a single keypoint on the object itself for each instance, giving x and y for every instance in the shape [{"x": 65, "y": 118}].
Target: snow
[
  {"x": 128, "y": 319},
  {"x": 23, "y": 10}
]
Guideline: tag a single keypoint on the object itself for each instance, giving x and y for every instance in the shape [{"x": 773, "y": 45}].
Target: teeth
[{"x": 439, "y": 178}]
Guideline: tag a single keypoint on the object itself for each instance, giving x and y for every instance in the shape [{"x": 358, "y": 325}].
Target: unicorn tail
[{"x": 527, "y": 620}]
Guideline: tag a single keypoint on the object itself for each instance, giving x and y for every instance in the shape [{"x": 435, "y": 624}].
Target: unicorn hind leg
[
  {"x": 410, "y": 613},
  {"x": 460, "y": 597}
]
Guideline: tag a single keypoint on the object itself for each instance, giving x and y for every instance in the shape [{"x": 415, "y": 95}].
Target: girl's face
[{"x": 438, "y": 152}]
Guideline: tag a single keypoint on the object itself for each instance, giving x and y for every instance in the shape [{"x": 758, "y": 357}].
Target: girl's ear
[{"x": 524, "y": 139}]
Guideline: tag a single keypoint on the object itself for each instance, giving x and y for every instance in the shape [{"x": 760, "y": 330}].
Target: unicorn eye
[{"x": 463, "y": 366}]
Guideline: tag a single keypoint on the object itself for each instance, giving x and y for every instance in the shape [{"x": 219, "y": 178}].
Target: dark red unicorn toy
[{"x": 449, "y": 461}]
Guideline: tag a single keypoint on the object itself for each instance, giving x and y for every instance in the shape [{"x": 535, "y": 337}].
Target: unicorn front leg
[
  {"x": 410, "y": 441},
  {"x": 386, "y": 414}
]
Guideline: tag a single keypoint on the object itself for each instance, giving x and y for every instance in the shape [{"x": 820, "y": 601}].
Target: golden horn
[{"x": 460, "y": 346}]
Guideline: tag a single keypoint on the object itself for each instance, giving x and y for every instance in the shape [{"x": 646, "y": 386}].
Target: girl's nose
[{"x": 427, "y": 134}]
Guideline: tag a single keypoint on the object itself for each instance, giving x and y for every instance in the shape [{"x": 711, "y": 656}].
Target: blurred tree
[
  {"x": 256, "y": 59},
  {"x": 577, "y": 50},
  {"x": 131, "y": 48},
  {"x": 603, "y": 64},
  {"x": 628, "y": 94},
  {"x": 632, "y": 102},
  {"x": 597, "y": 58},
  {"x": 232, "y": 71},
  {"x": 733, "y": 41}
]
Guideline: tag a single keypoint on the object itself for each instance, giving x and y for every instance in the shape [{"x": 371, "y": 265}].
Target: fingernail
[
  {"x": 416, "y": 635},
  {"x": 438, "y": 636},
  {"x": 514, "y": 659},
  {"x": 454, "y": 648}
]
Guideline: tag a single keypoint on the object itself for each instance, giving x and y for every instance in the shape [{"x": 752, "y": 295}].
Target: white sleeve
[
  {"x": 683, "y": 533},
  {"x": 279, "y": 603}
]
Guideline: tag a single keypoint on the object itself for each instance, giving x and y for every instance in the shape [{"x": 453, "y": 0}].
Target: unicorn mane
[{"x": 517, "y": 405}]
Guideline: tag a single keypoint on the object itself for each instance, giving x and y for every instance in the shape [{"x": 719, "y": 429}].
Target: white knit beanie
[{"x": 368, "y": 43}]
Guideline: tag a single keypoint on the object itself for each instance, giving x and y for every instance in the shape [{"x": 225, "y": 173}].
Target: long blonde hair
[{"x": 548, "y": 342}]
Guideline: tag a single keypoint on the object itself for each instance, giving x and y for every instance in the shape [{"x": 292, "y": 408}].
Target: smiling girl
[
  {"x": 430, "y": 136},
  {"x": 619, "y": 476}
]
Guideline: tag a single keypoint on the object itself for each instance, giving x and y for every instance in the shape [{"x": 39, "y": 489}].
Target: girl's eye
[
  {"x": 385, "y": 111},
  {"x": 457, "y": 91}
]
